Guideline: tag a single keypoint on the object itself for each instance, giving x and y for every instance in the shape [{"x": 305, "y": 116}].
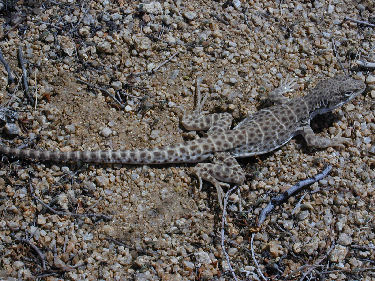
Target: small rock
[
  {"x": 303, "y": 215},
  {"x": 128, "y": 108},
  {"x": 370, "y": 79},
  {"x": 88, "y": 19},
  {"x": 18, "y": 264},
  {"x": 67, "y": 45},
  {"x": 151, "y": 8},
  {"x": 297, "y": 247},
  {"x": 11, "y": 129},
  {"x": 142, "y": 43},
  {"x": 70, "y": 128},
  {"x": 101, "y": 181},
  {"x": 106, "y": 132},
  {"x": 104, "y": 47},
  {"x": 350, "y": 107},
  {"x": 190, "y": 15},
  {"x": 344, "y": 239},
  {"x": 232, "y": 81},
  {"x": 116, "y": 16},
  {"x": 189, "y": 265},
  {"x": 154, "y": 134},
  {"x": 232, "y": 251},
  {"x": 338, "y": 254},
  {"x": 41, "y": 220},
  {"x": 117, "y": 85},
  {"x": 202, "y": 257},
  {"x": 84, "y": 31},
  {"x": 63, "y": 201},
  {"x": 275, "y": 248},
  {"x": 49, "y": 38},
  {"x": 330, "y": 9},
  {"x": 367, "y": 140}
]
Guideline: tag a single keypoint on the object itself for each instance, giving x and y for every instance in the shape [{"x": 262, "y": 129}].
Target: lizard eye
[{"x": 348, "y": 94}]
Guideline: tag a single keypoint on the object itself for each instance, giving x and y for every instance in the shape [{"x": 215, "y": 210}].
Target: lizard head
[
  {"x": 347, "y": 89},
  {"x": 334, "y": 92}
]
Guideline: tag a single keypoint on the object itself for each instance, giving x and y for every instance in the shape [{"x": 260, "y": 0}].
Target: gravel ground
[{"x": 117, "y": 75}]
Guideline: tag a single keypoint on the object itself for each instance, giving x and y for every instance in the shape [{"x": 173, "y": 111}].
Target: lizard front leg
[
  {"x": 286, "y": 86},
  {"x": 199, "y": 120},
  {"x": 321, "y": 142}
]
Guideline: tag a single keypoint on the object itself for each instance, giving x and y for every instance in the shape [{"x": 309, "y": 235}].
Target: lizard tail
[{"x": 189, "y": 152}]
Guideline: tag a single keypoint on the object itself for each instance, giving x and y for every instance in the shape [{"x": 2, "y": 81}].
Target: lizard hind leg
[{"x": 224, "y": 169}]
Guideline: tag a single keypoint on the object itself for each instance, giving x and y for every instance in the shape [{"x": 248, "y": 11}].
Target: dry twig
[
  {"x": 40, "y": 254},
  {"x": 223, "y": 221},
  {"x": 254, "y": 258},
  {"x": 152, "y": 71},
  {"x": 103, "y": 90},
  {"x": 24, "y": 76},
  {"x": 11, "y": 79},
  {"x": 366, "y": 64},
  {"x": 61, "y": 213},
  {"x": 317, "y": 263},
  {"x": 359, "y": 21},
  {"x": 278, "y": 200}
]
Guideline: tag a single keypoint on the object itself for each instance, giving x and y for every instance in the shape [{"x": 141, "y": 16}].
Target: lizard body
[{"x": 261, "y": 132}]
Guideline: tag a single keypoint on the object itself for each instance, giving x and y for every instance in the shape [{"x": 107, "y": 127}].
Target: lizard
[{"x": 259, "y": 133}]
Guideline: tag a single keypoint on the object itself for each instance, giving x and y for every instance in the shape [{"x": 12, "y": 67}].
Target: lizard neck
[{"x": 317, "y": 104}]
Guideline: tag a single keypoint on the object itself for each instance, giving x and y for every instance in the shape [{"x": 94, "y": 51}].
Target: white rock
[
  {"x": 106, "y": 132},
  {"x": 41, "y": 220},
  {"x": 202, "y": 257},
  {"x": 151, "y": 8},
  {"x": 338, "y": 254},
  {"x": 190, "y": 15},
  {"x": 67, "y": 45},
  {"x": 344, "y": 239},
  {"x": 70, "y": 128}
]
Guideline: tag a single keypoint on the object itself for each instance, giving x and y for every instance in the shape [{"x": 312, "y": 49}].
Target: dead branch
[
  {"x": 11, "y": 79},
  {"x": 254, "y": 258},
  {"x": 278, "y": 200},
  {"x": 103, "y": 90},
  {"x": 366, "y": 64},
  {"x": 61, "y": 213},
  {"x": 24, "y": 76},
  {"x": 152, "y": 71},
  {"x": 223, "y": 221},
  {"x": 40, "y": 254},
  {"x": 317, "y": 262},
  {"x": 359, "y": 21}
]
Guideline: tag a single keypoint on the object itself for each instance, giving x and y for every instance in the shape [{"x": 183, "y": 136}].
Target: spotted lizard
[{"x": 259, "y": 133}]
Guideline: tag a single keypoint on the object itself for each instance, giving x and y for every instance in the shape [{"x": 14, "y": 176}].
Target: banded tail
[{"x": 186, "y": 152}]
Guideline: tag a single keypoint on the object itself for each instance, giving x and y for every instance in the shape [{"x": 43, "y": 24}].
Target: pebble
[
  {"x": 142, "y": 43},
  {"x": 67, "y": 45},
  {"x": 41, "y": 220},
  {"x": 338, "y": 254},
  {"x": 117, "y": 85},
  {"x": 12, "y": 129},
  {"x": 106, "y": 132},
  {"x": 128, "y": 108},
  {"x": 370, "y": 80},
  {"x": 101, "y": 181},
  {"x": 70, "y": 128},
  {"x": 151, "y": 8},
  {"x": 202, "y": 257},
  {"x": 190, "y": 15},
  {"x": 344, "y": 239}
]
